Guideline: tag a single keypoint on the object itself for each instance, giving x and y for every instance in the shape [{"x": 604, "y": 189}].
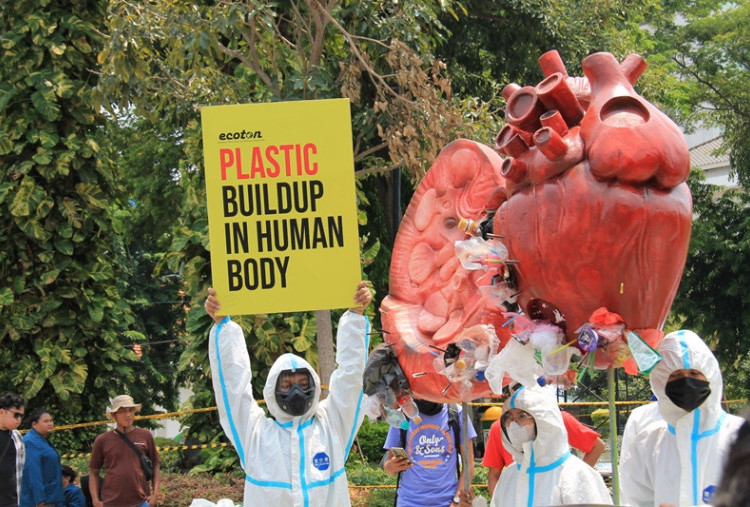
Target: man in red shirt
[{"x": 580, "y": 437}]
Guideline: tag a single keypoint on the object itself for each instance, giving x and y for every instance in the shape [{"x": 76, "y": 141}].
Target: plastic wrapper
[
  {"x": 588, "y": 339},
  {"x": 477, "y": 253},
  {"x": 516, "y": 361},
  {"x": 202, "y": 502},
  {"x": 645, "y": 356},
  {"x": 372, "y": 407},
  {"x": 499, "y": 293},
  {"x": 521, "y": 326},
  {"x": 383, "y": 372},
  {"x": 469, "y": 358},
  {"x": 565, "y": 381},
  {"x": 550, "y": 340}
]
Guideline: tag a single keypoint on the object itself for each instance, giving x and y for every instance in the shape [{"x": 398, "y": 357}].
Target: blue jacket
[
  {"x": 42, "y": 477},
  {"x": 73, "y": 497}
]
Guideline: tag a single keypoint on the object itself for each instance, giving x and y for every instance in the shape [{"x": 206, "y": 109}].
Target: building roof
[{"x": 703, "y": 155}]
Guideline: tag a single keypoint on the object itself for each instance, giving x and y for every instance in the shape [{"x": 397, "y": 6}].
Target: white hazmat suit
[
  {"x": 680, "y": 461},
  {"x": 545, "y": 472},
  {"x": 638, "y": 420},
  {"x": 291, "y": 461}
]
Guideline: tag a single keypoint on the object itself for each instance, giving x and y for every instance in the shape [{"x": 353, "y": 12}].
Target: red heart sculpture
[{"x": 598, "y": 213}]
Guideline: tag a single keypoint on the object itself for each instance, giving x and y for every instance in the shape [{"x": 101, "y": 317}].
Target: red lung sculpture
[
  {"x": 591, "y": 203},
  {"x": 432, "y": 297}
]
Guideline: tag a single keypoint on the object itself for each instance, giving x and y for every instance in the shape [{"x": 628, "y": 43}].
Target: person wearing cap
[
  {"x": 679, "y": 461},
  {"x": 545, "y": 471},
  {"x": 125, "y": 484},
  {"x": 12, "y": 450},
  {"x": 297, "y": 457}
]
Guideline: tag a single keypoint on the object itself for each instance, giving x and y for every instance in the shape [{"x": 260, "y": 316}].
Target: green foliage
[
  {"x": 63, "y": 319},
  {"x": 707, "y": 48},
  {"x": 498, "y": 42},
  {"x": 218, "y": 459},
  {"x": 169, "y": 461},
  {"x": 80, "y": 465},
  {"x": 162, "y": 60},
  {"x": 370, "y": 475},
  {"x": 370, "y": 438},
  {"x": 713, "y": 297}
]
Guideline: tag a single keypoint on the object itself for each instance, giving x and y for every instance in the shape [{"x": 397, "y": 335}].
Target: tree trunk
[{"x": 326, "y": 355}]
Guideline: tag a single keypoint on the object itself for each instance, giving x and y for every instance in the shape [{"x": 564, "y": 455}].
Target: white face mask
[{"x": 518, "y": 435}]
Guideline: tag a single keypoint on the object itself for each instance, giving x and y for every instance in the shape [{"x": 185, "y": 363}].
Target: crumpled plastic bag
[
  {"x": 477, "y": 253},
  {"x": 549, "y": 340},
  {"x": 383, "y": 372},
  {"x": 517, "y": 361}
]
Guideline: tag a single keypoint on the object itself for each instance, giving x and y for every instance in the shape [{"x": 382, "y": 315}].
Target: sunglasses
[{"x": 16, "y": 415}]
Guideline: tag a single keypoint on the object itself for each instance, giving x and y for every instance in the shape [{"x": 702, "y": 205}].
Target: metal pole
[
  {"x": 613, "y": 435},
  {"x": 465, "y": 444}
]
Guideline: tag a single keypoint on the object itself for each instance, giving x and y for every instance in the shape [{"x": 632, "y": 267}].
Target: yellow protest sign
[{"x": 282, "y": 213}]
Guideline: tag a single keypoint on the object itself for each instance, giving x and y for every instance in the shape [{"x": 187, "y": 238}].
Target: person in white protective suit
[
  {"x": 639, "y": 419},
  {"x": 679, "y": 462},
  {"x": 545, "y": 472},
  {"x": 297, "y": 457}
]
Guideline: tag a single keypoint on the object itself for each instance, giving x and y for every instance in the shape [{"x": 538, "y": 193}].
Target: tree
[
  {"x": 703, "y": 45},
  {"x": 150, "y": 179},
  {"x": 713, "y": 298},
  {"x": 706, "y": 44},
  {"x": 493, "y": 43},
  {"x": 63, "y": 320}
]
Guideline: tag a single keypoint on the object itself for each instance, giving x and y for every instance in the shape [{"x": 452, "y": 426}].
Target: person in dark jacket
[
  {"x": 73, "y": 494},
  {"x": 12, "y": 450},
  {"x": 42, "y": 481}
]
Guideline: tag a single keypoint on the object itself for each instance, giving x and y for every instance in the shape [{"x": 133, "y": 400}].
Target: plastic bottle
[
  {"x": 471, "y": 227},
  {"x": 468, "y": 357},
  {"x": 409, "y": 408},
  {"x": 395, "y": 418}
]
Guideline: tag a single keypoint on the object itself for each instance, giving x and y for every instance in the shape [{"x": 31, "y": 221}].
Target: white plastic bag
[
  {"x": 224, "y": 502},
  {"x": 517, "y": 361}
]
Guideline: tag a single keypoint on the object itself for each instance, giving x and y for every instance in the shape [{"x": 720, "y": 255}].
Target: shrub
[
  {"x": 170, "y": 460},
  {"x": 371, "y": 438},
  {"x": 179, "y": 490},
  {"x": 370, "y": 475}
]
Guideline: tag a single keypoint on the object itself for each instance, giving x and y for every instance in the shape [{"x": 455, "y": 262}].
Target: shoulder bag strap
[
  {"x": 130, "y": 443},
  {"x": 398, "y": 475},
  {"x": 454, "y": 423}
]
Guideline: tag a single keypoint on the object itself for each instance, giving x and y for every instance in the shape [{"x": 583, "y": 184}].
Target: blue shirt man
[{"x": 429, "y": 477}]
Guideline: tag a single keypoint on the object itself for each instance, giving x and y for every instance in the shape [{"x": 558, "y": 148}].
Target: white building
[{"x": 704, "y": 148}]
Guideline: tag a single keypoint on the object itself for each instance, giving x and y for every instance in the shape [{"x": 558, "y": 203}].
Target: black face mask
[
  {"x": 428, "y": 407},
  {"x": 296, "y": 401},
  {"x": 688, "y": 393}
]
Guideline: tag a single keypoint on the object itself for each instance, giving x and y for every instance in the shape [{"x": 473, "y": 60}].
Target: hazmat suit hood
[
  {"x": 551, "y": 440},
  {"x": 686, "y": 350},
  {"x": 289, "y": 362}
]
